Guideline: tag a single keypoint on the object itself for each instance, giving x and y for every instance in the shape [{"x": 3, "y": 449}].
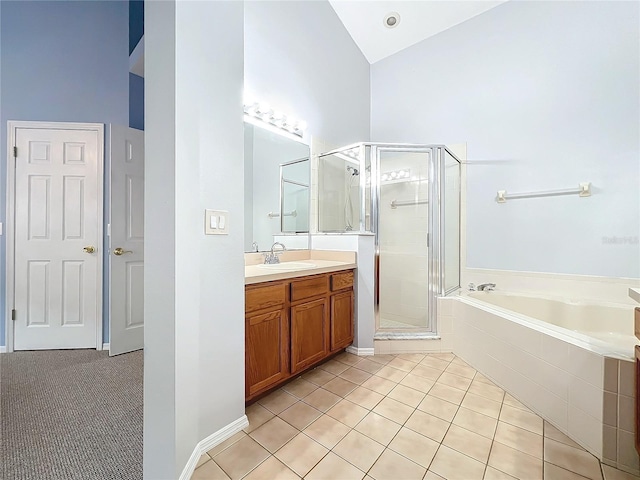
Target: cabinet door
[
  {"x": 341, "y": 320},
  {"x": 308, "y": 333},
  {"x": 266, "y": 350}
]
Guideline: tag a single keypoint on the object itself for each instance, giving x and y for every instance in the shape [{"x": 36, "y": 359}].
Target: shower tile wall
[{"x": 403, "y": 252}]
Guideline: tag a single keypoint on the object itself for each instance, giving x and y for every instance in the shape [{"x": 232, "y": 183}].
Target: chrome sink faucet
[
  {"x": 272, "y": 256},
  {"x": 486, "y": 287}
]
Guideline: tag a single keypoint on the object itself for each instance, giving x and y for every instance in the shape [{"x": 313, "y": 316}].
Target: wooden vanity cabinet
[
  {"x": 266, "y": 337},
  {"x": 291, "y": 325}
]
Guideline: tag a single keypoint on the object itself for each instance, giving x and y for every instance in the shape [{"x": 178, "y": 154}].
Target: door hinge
[
  {"x": 13, "y": 314},
  {"x": 15, "y": 152}
]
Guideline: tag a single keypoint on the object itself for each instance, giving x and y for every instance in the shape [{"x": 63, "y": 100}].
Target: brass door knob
[
  {"x": 89, "y": 249},
  {"x": 120, "y": 251}
]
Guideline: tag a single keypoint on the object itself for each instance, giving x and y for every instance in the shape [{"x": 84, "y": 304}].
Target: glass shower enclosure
[{"x": 409, "y": 197}]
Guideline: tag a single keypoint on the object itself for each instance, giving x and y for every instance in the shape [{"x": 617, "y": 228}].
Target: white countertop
[
  {"x": 635, "y": 294},
  {"x": 257, "y": 274}
]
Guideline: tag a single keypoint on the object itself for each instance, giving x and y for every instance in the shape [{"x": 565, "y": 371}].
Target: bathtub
[{"x": 570, "y": 361}]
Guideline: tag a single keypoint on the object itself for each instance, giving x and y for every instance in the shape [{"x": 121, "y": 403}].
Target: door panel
[
  {"x": 308, "y": 333},
  {"x": 58, "y": 212},
  {"x": 126, "y": 320}
]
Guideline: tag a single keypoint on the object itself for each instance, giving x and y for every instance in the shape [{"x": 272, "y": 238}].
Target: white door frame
[{"x": 11, "y": 219}]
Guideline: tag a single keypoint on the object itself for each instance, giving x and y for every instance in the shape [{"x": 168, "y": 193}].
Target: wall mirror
[{"x": 276, "y": 179}]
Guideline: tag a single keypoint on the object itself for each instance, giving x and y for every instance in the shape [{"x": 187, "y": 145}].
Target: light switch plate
[{"x": 221, "y": 222}]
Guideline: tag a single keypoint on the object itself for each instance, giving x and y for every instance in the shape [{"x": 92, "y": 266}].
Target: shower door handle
[{"x": 427, "y": 240}]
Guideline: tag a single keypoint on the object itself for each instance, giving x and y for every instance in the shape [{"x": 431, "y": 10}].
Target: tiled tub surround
[{"x": 561, "y": 375}]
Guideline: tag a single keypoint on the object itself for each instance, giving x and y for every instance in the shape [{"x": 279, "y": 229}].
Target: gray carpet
[{"x": 70, "y": 414}]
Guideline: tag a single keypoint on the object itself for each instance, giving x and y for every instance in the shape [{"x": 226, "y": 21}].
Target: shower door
[{"x": 406, "y": 186}]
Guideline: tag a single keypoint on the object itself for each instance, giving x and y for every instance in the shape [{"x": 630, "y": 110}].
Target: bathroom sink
[{"x": 286, "y": 266}]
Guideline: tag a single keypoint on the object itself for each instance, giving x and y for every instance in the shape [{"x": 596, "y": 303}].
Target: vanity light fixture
[
  {"x": 264, "y": 113},
  {"x": 403, "y": 174}
]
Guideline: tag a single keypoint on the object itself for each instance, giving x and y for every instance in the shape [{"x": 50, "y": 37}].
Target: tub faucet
[
  {"x": 486, "y": 287},
  {"x": 272, "y": 256}
]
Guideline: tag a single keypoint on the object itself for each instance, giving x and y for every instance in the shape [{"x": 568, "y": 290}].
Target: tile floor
[{"x": 397, "y": 417}]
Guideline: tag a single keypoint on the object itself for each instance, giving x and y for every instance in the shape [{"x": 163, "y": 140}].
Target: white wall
[
  {"x": 301, "y": 60},
  {"x": 547, "y": 95},
  {"x": 194, "y": 285}
]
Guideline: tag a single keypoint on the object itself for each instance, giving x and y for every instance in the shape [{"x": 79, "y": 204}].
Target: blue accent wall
[
  {"x": 65, "y": 61},
  {"x": 136, "y": 101}
]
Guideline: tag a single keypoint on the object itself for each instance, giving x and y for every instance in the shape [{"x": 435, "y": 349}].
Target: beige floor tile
[
  {"x": 391, "y": 373},
  {"x": 347, "y": 412},
  {"x": 274, "y": 434},
  {"x": 482, "y": 405},
  {"x": 394, "y": 410},
  {"x": 553, "y": 472},
  {"x": 432, "y": 476},
  {"x": 359, "y": 450},
  {"x": 448, "y": 357},
  {"x": 241, "y": 457},
  {"x": 515, "y": 463},
  {"x": 391, "y": 466},
  {"x": 355, "y": 375},
  {"x": 412, "y": 357},
  {"x": 611, "y": 473},
  {"x": 406, "y": 395},
  {"x": 519, "y": 438},
  {"x": 461, "y": 370},
  {"x": 300, "y": 388},
  {"x": 481, "y": 378},
  {"x": 454, "y": 380},
  {"x": 364, "y": 397},
  {"x": 227, "y": 443},
  {"x": 277, "y": 401},
  {"x": 271, "y": 468},
  {"x": 322, "y": 399},
  {"x": 379, "y": 385},
  {"x": 382, "y": 359},
  {"x": 300, "y": 415},
  {"x": 428, "y": 425},
  {"x": 445, "y": 392},
  {"x": 378, "y": 428},
  {"x": 495, "y": 474},
  {"x": 453, "y": 465},
  {"x": 318, "y": 376},
  {"x": 435, "y": 363},
  {"x": 553, "y": 433},
  {"x": 522, "y": 419},
  {"x": 340, "y": 386},
  {"x": 368, "y": 366},
  {"x": 332, "y": 467},
  {"x": 348, "y": 358},
  {"x": 301, "y": 454},
  {"x": 459, "y": 361},
  {"x": 513, "y": 402},
  {"x": 209, "y": 471},
  {"x": 327, "y": 431},
  {"x": 401, "y": 364},
  {"x": 471, "y": 444},
  {"x": 476, "y": 422},
  {"x": 485, "y": 390},
  {"x": 417, "y": 383},
  {"x": 203, "y": 459},
  {"x": 415, "y": 447},
  {"x": 334, "y": 367},
  {"x": 257, "y": 415},
  {"x": 426, "y": 372},
  {"x": 438, "y": 407},
  {"x": 572, "y": 459}
]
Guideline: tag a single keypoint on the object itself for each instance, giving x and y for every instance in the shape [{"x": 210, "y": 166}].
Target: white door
[
  {"x": 126, "y": 259},
  {"x": 58, "y": 232}
]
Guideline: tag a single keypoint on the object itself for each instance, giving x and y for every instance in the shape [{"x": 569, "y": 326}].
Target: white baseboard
[
  {"x": 105, "y": 346},
  {"x": 211, "y": 441},
  {"x": 3, "y": 349},
  {"x": 361, "y": 352}
]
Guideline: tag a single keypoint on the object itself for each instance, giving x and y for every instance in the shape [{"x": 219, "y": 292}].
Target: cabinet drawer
[
  {"x": 341, "y": 280},
  {"x": 309, "y": 287},
  {"x": 264, "y": 296},
  {"x": 637, "y": 322}
]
